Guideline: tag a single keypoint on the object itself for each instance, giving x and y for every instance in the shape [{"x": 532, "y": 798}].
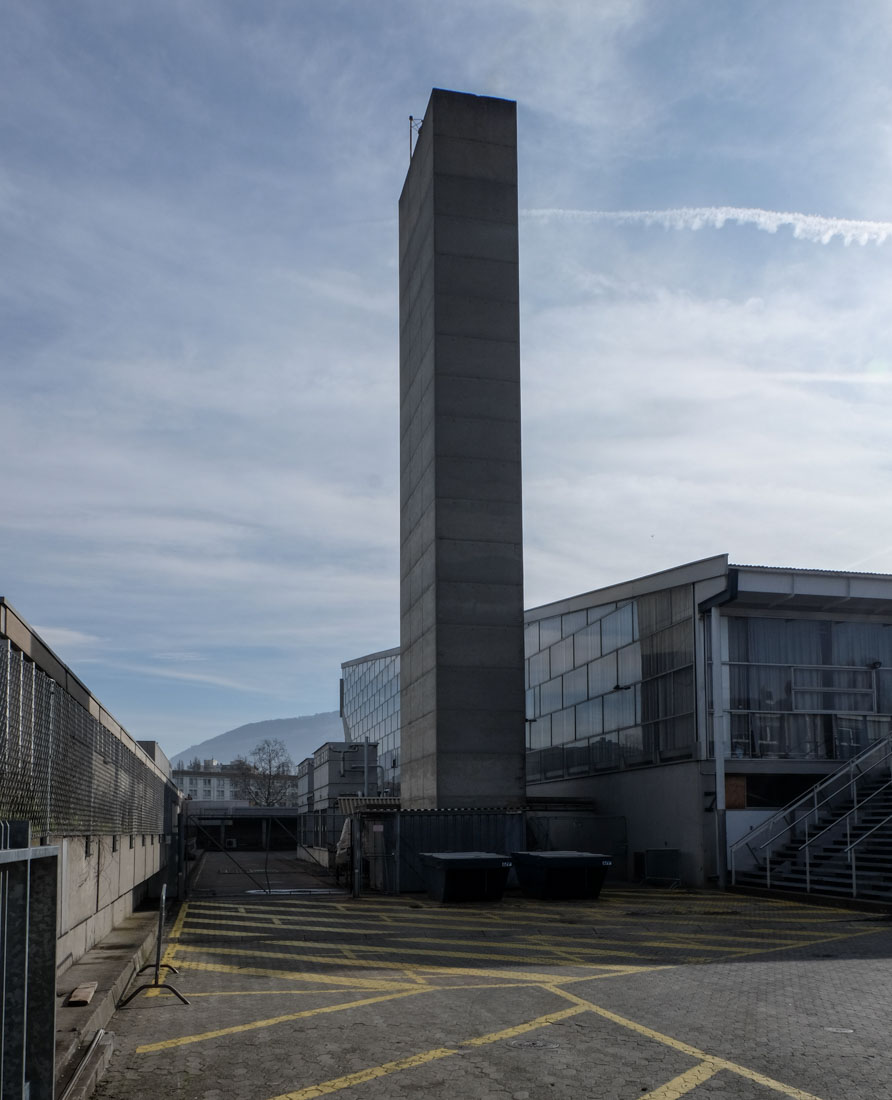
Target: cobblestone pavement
[{"x": 643, "y": 992}]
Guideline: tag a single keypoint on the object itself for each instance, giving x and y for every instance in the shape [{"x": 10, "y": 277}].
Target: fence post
[
  {"x": 356, "y": 829},
  {"x": 157, "y": 965},
  {"x": 27, "y": 963}
]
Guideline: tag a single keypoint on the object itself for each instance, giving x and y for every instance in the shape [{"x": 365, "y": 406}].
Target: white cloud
[
  {"x": 808, "y": 227},
  {"x": 65, "y": 640},
  {"x": 199, "y": 369}
]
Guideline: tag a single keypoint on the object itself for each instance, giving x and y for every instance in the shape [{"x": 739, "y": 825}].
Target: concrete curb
[{"x": 112, "y": 964}]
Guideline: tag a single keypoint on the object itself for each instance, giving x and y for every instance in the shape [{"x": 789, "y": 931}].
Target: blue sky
[{"x": 199, "y": 311}]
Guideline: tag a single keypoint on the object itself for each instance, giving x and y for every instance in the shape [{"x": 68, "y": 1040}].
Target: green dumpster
[
  {"x": 465, "y": 876},
  {"x": 563, "y": 875}
]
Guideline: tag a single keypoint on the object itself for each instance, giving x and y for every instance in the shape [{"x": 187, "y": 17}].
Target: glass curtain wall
[
  {"x": 611, "y": 686},
  {"x": 808, "y": 688},
  {"x": 370, "y": 708}
]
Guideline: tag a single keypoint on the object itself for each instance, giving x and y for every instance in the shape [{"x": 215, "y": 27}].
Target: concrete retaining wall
[{"x": 100, "y": 884}]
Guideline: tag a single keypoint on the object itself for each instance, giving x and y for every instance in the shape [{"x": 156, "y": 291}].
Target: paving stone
[{"x": 699, "y": 994}]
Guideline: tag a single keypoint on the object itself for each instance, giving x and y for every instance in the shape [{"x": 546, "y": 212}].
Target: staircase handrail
[
  {"x": 864, "y": 836},
  {"x": 812, "y": 791},
  {"x": 844, "y": 817},
  {"x": 883, "y": 745},
  {"x": 818, "y": 805}
]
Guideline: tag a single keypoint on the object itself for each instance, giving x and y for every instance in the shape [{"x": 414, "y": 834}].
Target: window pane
[
  {"x": 575, "y": 686},
  {"x": 562, "y": 657},
  {"x": 540, "y": 732},
  {"x": 605, "y": 752},
  {"x": 617, "y": 629},
  {"x": 549, "y": 631},
  {"x": 587, "y": 644},
  {"x": 539, "y": 668},
  {"x": 654, "y": 612},
  {"x": 629, "y": 664},
  {"x": 619, "y": 709},
  {"x": 572, "y": 622},
  {"x": 633, "y": 748},
  {"x": 563, "y": 726},
  {"x": 551, "y": 696},
  {"x": 861, "y": 644},
  {"x": 602, "y": 675},
  {"x": 589, "y": 718}
]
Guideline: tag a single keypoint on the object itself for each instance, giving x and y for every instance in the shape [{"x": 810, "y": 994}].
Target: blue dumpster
[
  {"x": 465, "y": 876},
  {"x": 564, "y": 875}
]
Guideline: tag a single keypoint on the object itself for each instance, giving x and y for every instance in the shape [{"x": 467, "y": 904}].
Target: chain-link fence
[{"x": 61, "y": 769}]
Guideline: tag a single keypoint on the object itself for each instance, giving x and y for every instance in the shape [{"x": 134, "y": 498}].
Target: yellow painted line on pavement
[
  {"x": 611, "y": 972},
  {"x": 360, "y": 1078},
  {"x": 254, "y": 1025},
  {"x": 413, "y": 1060},
  {"x": 521, "y": 974},
  {"x": 376, "y": 984},
  {"x": 247, "y": 928},
  {"x": 633, "y": 941},
  {"x": 429, "y": 952},
  {"x": 172, "y": 944},
  {"x": 178, "y": 923},
  {"x": 522, "y": 1029},
  {"x": 338, "y": 991},
  {"x": 686, "y": 1048},
  {"x": 836, "y": 938},
  {"x": 539, "y": 943},
  {"x": 685, "y": 1082}
]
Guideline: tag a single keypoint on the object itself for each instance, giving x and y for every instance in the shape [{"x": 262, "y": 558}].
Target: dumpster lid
[
  {"x": 454, "y": 857},
  {"x": 562, "y": 857}
]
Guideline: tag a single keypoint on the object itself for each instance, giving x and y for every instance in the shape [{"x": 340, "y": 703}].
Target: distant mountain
[{"x": 301, "y": 736}]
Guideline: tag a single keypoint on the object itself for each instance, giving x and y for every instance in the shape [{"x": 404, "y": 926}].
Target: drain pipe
[
  {"x": 356, "y": 829},
  {"x": 718, "y": 743}
]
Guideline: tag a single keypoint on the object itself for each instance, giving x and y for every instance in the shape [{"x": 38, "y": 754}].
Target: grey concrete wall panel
[
  {"x": 461, "y": 559},
  {"x": 665, "y": 807}
]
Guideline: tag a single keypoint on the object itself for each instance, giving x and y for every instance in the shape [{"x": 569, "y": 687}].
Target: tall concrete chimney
[{"x": 461, "y": 550}]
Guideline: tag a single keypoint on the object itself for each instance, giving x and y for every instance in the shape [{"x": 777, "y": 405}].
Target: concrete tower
[{"x": 461, "y": 554}]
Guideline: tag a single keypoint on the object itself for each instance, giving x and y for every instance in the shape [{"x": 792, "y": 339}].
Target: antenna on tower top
[{"x": 414, "y": 131}]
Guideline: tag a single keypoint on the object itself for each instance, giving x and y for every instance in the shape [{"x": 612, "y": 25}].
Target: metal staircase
[{"x": 835, "y": 840}]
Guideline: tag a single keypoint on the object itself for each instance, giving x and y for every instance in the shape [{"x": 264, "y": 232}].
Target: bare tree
[{"x": 266, "y": 778}]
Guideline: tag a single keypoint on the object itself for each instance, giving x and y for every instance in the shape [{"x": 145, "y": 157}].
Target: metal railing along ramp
[
  {"x": 835, "y": 839},
  {"x": 27, "y": 964}
]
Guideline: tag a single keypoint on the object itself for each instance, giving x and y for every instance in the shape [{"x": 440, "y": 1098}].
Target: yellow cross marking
[
  {"x": 522, "y": 974},
  {"x": 430, "y": 952},
  {"x": 685, "y": 1082},
  {"x": 167, "y": 1044},
  {"x": 686, "y": 1048},
  {"x": 379, "y": 984},
  {"x": 338, "y": 1083}
]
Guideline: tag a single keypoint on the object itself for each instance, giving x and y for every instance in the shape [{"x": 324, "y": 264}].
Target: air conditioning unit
[{"x": 230, "y": 843}]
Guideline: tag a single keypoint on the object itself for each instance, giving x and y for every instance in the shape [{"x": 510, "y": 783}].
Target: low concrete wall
[
  {"x": 322, "y": 856},
  {"x": 101, "y": 880}
]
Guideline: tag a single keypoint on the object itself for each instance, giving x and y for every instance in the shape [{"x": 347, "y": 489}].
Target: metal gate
[
  {"x": 253, "y": 850},
  {"x": 392, "y": 842},
  {"x": 27, "y": 964}
]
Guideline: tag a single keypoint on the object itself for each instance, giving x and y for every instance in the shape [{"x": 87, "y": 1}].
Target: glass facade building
[
  {"x": 611, "y": 685},
  {"x": 808, "y": 688},
  {"x": 622, "y": 679},
  {"x": 370, "y": 709},
  {"x": 630, "y": 687}
]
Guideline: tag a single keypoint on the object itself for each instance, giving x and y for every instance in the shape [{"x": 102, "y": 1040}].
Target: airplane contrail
[{"x": 807, "y": 227}]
